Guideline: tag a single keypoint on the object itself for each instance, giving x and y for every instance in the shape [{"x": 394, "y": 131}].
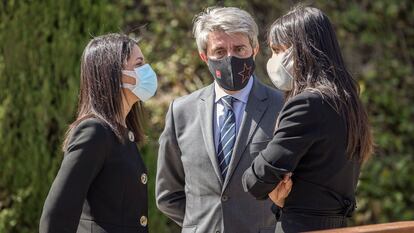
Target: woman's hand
[{"x": 282, "y": 190}]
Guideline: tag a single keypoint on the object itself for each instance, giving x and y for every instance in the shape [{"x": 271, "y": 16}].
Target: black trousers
[{"x": 295, "y": 222}]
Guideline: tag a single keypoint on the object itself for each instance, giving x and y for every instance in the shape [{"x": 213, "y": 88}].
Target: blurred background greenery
[{"x": 40, "y": 47}]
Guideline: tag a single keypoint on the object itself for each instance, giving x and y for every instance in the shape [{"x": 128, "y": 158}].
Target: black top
[
  {"x": 100, "y": 186},
  {"x": 310, "y": 141}
]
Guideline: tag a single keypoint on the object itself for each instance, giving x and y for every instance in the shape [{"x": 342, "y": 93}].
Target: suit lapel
[
  {"x": 255, "y": 107},
  {"x": 206, "y": 109}
]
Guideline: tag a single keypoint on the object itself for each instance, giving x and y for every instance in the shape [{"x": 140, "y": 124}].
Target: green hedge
[
  {"x": 40, "y": 47},
  {"x": 41, "y": 43}
]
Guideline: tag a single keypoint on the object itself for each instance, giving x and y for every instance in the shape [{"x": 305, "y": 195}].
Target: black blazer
[
  {"x": 310, "y": 141},
  {"x": 101, "y": 185}
]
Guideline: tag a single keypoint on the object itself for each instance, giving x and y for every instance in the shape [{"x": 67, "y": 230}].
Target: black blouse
[
  {"x": 101, "y": 185},
  {"x": 310, "y": 141}
]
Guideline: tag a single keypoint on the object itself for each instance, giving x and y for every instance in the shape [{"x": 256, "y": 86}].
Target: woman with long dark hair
[
  {"x": 323, "y": 134},
  {"x": 101, "y": 185}
]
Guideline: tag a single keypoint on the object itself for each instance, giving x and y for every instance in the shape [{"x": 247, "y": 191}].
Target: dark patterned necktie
[{"x": 227, "y": 136}]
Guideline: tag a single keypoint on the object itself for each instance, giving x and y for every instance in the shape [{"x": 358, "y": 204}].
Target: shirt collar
[{"x": 242, "y": 95}]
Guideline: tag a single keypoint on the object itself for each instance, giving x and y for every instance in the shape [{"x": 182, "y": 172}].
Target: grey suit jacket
[{"x": 189, "y": 187}]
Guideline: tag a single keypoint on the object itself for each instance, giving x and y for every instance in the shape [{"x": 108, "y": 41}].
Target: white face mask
[
  {"x": 280, "y": 69},
  {"x": 145, "y": 82}
]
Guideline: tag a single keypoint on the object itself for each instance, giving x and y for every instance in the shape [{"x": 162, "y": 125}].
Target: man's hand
[{"x": 282, "y": 190}]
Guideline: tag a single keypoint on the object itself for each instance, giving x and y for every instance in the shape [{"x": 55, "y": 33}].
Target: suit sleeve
[
  {"x": 298, "y": 130},
  {"x": 83, "y": 160},
  {"x": 170, "y": 180}
]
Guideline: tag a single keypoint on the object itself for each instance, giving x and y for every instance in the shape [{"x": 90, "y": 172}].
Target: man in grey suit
[{"x": 211, "y": 136}]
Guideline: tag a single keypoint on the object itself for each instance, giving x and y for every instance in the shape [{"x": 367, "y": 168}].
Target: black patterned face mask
[{"x": 232, "y": 73}]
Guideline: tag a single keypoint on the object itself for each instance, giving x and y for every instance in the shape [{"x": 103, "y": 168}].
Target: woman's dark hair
[
  {"x": 100, "y": 87},
  {"x": 319, "y": 67}
]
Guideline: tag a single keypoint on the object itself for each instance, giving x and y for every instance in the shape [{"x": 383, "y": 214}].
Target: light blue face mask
[{"x": 145, "y": 82}]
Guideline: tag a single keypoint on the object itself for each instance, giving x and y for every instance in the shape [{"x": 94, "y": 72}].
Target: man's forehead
[{"x": 219, "y": 38}]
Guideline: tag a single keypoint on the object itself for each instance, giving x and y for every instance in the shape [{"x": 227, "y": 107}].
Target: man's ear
[
  {"x": 255, "y": 51},
  {"x": 203, "y": 56}
]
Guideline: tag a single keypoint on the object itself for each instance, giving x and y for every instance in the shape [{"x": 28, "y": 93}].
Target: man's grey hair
[{"x": 227, "y": 19}]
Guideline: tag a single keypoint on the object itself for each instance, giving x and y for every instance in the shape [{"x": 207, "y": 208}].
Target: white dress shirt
[{"x": 238, "y": 108}]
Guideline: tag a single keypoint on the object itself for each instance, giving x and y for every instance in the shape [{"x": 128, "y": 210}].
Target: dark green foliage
[
  {"x": 378, "y": 40},
  {"x": 40, "y": 47}
]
